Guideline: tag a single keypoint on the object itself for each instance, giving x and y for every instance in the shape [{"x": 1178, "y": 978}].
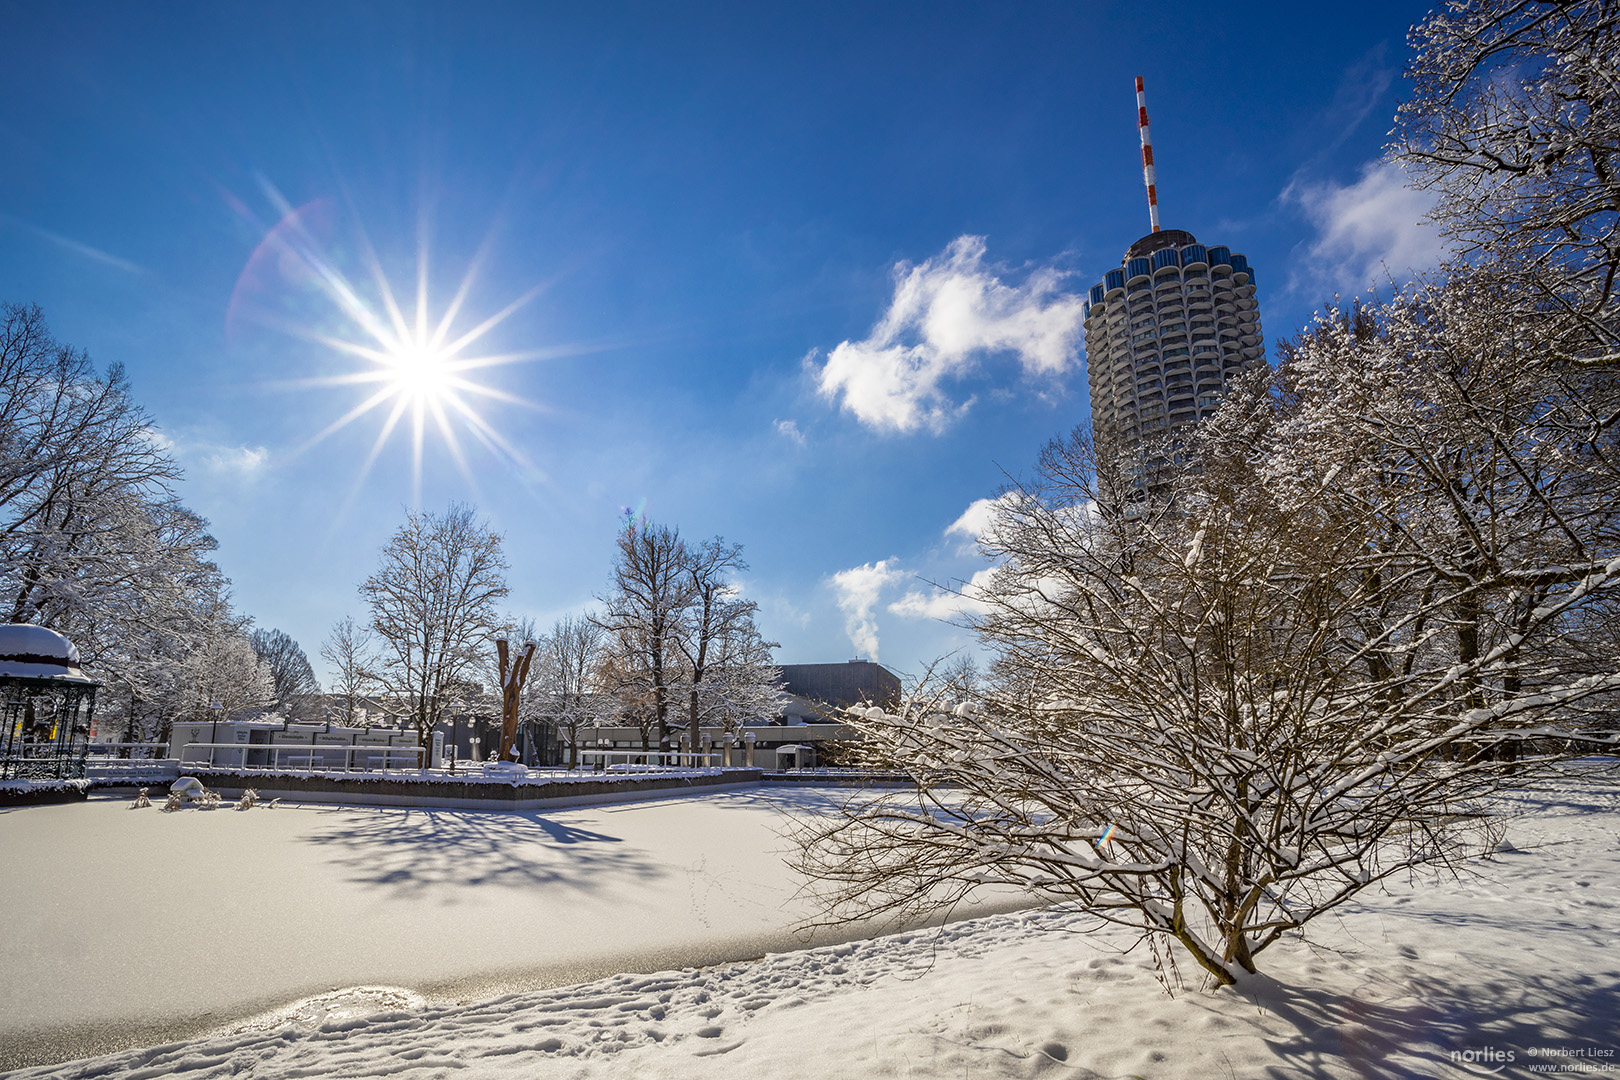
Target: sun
[
  {"x": 421, "y": 373},
  {"x": 416, "y": 372},
  {"x": 420, "y": 379}
]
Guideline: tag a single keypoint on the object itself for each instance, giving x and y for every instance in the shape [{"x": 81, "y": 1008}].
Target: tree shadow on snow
[
  {"x": 1433, "y": 1027},
  {"x": 413, "y": 851}
]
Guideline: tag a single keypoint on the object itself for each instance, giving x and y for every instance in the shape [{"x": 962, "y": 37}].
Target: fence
[
  {"x": 302, "y": 756},
  {"x": 653, "y": 760},
  {"x": 133, "y": 759},
  {"x": 129, "y": 751}
]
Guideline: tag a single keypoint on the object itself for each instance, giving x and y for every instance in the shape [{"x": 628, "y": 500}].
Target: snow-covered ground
[{"x": 1426, "y": 979}]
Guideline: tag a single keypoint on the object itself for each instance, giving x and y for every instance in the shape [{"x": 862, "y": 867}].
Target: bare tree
[
  {"x": 651, "y": 592},
  {"x": 714, "y": 628},
  {"x": 513, "y": 673},
  {"x": 681, "y": 634},
  {"x": 567, "y": 673},
  {"x": 626, "y": 676},
  {"x": 348, "y": 653},
  {"x": 289, "y": 668},
  {"x": 67, "y": 435},
  {"x": 433, "y": 608},
  {"x": 1217, "y": 715},
  {"x": 1514, "y": 120}
]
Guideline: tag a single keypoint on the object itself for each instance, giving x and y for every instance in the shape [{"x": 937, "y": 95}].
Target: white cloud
[
  {"x": 235, "y": 460},
  {"x": 858, "y": 590},
  {"x": 790, "y": 429},
  {"x": 157, "y": 439},
  {"x": 782, "y": 610},
  {"x": 1369, "y": 231},
  {"x": 204, "y": 455},
  {"x": 946, "y": 313},
  {"x": 976, "y": 521},
  {"x": 939, "y": 603}
]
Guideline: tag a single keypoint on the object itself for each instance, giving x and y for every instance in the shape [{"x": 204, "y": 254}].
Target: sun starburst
[{"x": 415, "y": 369}]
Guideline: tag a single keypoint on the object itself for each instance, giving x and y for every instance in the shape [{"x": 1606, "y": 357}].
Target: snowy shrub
[{"x": 1375, "y": 589}]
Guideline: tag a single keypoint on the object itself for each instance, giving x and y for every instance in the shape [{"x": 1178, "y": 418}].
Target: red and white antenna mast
[{"x": 1147, "y": 154}]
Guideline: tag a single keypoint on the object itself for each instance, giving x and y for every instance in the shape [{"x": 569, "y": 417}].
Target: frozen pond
[{"x": 127, "y": 927}]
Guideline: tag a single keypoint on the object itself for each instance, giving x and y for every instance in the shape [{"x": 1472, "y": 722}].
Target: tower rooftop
[{"x": 1157, "y": 242}]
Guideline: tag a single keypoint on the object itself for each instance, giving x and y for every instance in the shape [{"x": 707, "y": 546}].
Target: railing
[
  {"x": 146, "y": 760},
  {"x": 652, "y": 760},
  {"x": 39, "y": 761},
  {"x": 301, "y": 756},
  {"x": 129, "y": 751}
]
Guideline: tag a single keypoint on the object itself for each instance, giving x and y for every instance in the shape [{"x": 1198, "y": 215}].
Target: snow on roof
[
  {"x": 34, "y": 652},
  {"x": 19, "y": 639}
]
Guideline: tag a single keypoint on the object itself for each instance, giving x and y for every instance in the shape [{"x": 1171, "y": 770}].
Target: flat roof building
[{"x": 851, "y": 683}]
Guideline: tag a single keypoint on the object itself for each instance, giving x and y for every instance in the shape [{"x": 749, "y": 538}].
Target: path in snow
[{"x": 128, "y": 927}]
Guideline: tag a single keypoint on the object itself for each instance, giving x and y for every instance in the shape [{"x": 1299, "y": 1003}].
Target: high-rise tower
[{"x": 1166, "y": 333}]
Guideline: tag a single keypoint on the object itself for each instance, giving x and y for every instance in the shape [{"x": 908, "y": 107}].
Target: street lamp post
[
  {"x": 214, "y": 709},
  {"x": 455, "y": 733}
]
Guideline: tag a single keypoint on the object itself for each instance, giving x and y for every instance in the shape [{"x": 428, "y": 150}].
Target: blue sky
[{"x": 804, "y": 277}]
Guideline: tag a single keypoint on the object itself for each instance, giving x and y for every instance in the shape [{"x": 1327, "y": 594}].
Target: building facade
[
  {"x": 1166, "y": 334},
  {"x": 857, "y": 682}
]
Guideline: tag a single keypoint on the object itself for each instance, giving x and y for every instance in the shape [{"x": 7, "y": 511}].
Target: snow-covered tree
[
  {"x": 1514, "y": 121},
  {"x": 349, "y": 655},
  {"x": 741, "y": 682},
  {"x": 87, "y": 517},
  {"x": 135, "y": 599},
  {"x": 1216, "y": 715},
  {"x": 224, "y": 678},
  {"x": 433, "y": 609},
  {"x": 726, "y": 672},
  {"x": 680, "y": 635},
  {"x": 211, "y": 671},
  {"x": 643, "y": 612},
  {"x": 93, "y": 542},
  {"x": 567, "y": 674}
]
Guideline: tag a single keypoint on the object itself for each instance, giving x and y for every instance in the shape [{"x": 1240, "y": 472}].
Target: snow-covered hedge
[
  {"x": 24, "y": 792},
  {"x": 265, "y": 776}
]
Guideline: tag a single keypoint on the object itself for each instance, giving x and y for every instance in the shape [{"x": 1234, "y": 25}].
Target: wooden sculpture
[{"x": 514, "y": 672}]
